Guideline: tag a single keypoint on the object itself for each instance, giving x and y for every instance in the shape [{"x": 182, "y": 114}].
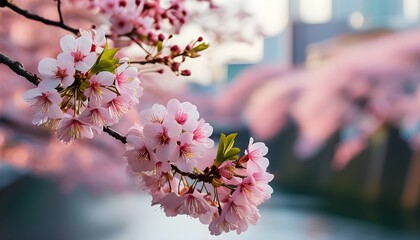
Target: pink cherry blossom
[
  {"x": 156, "y": 114},
  {"x": 45, "y": 102},
  {"x": 192, "y": 204},
  {"x": 98, "y": 116},
  {"x": 118, "y": 106},
  {"x": 98, "y": 87},
  {"x": 186, "y": 153},
  {"x": 202, "y": 134},
  {"x": 234, "y": 217},
  {"x": 159, "y": 185},
  {"x": 71, "y": 128},
  {"x": 137, "y": 154},
  {"x": 185, "y": 114},
  {"x": 242, "y": 215},
  {"x": 79, "y": 50},
  {"x": 256, "y": 160},
  {"x": 127, "y": 82},
  {"x": 57, "y": 71},
  {"x": 162, "y": 138},
  {"x": 251, "y": 192}
]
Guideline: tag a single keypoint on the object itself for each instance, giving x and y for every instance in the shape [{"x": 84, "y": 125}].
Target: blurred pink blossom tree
[{"x": 355, "y": 91}]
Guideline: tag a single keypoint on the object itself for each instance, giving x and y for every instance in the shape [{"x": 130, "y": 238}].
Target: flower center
[
  {"x": 61, "y": 73},
  {"x": 78, "y": 56},
  {"x": 163, "y": 137},
  {"x": 181, "y": 117}
]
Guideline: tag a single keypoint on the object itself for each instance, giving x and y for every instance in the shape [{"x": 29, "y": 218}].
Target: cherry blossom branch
[
  {"x": 18, "y": 68},
  {"x": 207, "y": 176},
  {"x": 60, "y": 24},
  {"x": 60, "y": 14},
  {"x": 115, "y": 134}
]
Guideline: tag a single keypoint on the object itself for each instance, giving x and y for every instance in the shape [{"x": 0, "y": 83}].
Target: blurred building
[{"x": 312, "y": 21}]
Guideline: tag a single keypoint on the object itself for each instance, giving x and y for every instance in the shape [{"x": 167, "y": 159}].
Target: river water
[
  {"x": 282, "y": 217},
  {"x": 36, "y": 209}
]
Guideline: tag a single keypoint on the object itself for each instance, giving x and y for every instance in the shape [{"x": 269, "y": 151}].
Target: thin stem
[
  {"x": 204, "y": 187},
  {"x": 20, "y": 11},
  {"x": 60, "y": 15},
  {"x": 185, "y": 182},
  {"x": 139, "y": 44},
  {"x": 152, "y": 61},
  {"x": 179, "y": 184},
  {"x": 216, "y": 195}
]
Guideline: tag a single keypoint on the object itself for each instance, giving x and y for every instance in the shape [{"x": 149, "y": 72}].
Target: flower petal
[
  {"x": 68, "y": 43},
  {"x": 47, "y": 67},
  {"x": 29, "y": 95}
]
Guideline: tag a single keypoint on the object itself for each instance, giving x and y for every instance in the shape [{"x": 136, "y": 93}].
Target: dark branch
[
  {"x": 18, "y": 68},
  {"x": 207, "y": 176},
  {"x": 115, "y": 134},
  {"x": 60, "y": 14},
  {"x": 60, "y": 24}
]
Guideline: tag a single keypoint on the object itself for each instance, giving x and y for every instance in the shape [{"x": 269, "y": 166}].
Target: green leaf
[
  {"x": 106, "y": 61},
  {"x": 232, "y": 154},
  {"x": 220, "y": 149},
  {"x": 229, "y": 141},
  {"x": 226, "y": 151},
  {"x": 109, "y": 54},
  {"x": 200, "y": 47}
]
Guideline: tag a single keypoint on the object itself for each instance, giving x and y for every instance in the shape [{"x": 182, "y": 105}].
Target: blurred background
[{"x": 331, "y": 86}]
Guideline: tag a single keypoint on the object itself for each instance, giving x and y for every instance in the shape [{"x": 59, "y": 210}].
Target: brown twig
[
  {"x": 20, "y": 11},
  {"x": 18, "y": 68},
  {"x": 207, "y": 176}
]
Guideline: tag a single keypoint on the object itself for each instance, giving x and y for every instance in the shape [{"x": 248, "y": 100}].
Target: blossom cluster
[
  {"x": 150, "y": 25},
  {"x": 171, "y": 156},
  {"x": 84, "y": 89},
  {"x": 141, "y": 18}
]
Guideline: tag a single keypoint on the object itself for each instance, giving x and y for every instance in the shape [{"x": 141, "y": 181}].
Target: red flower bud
[
  {"x": 186, "y": 72},
  {"x": 175, "y": 66},
  {"x": 161, "y": 37}
]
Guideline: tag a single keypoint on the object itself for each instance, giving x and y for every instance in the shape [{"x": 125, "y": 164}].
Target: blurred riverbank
[{"x": 33, "y": 208}]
